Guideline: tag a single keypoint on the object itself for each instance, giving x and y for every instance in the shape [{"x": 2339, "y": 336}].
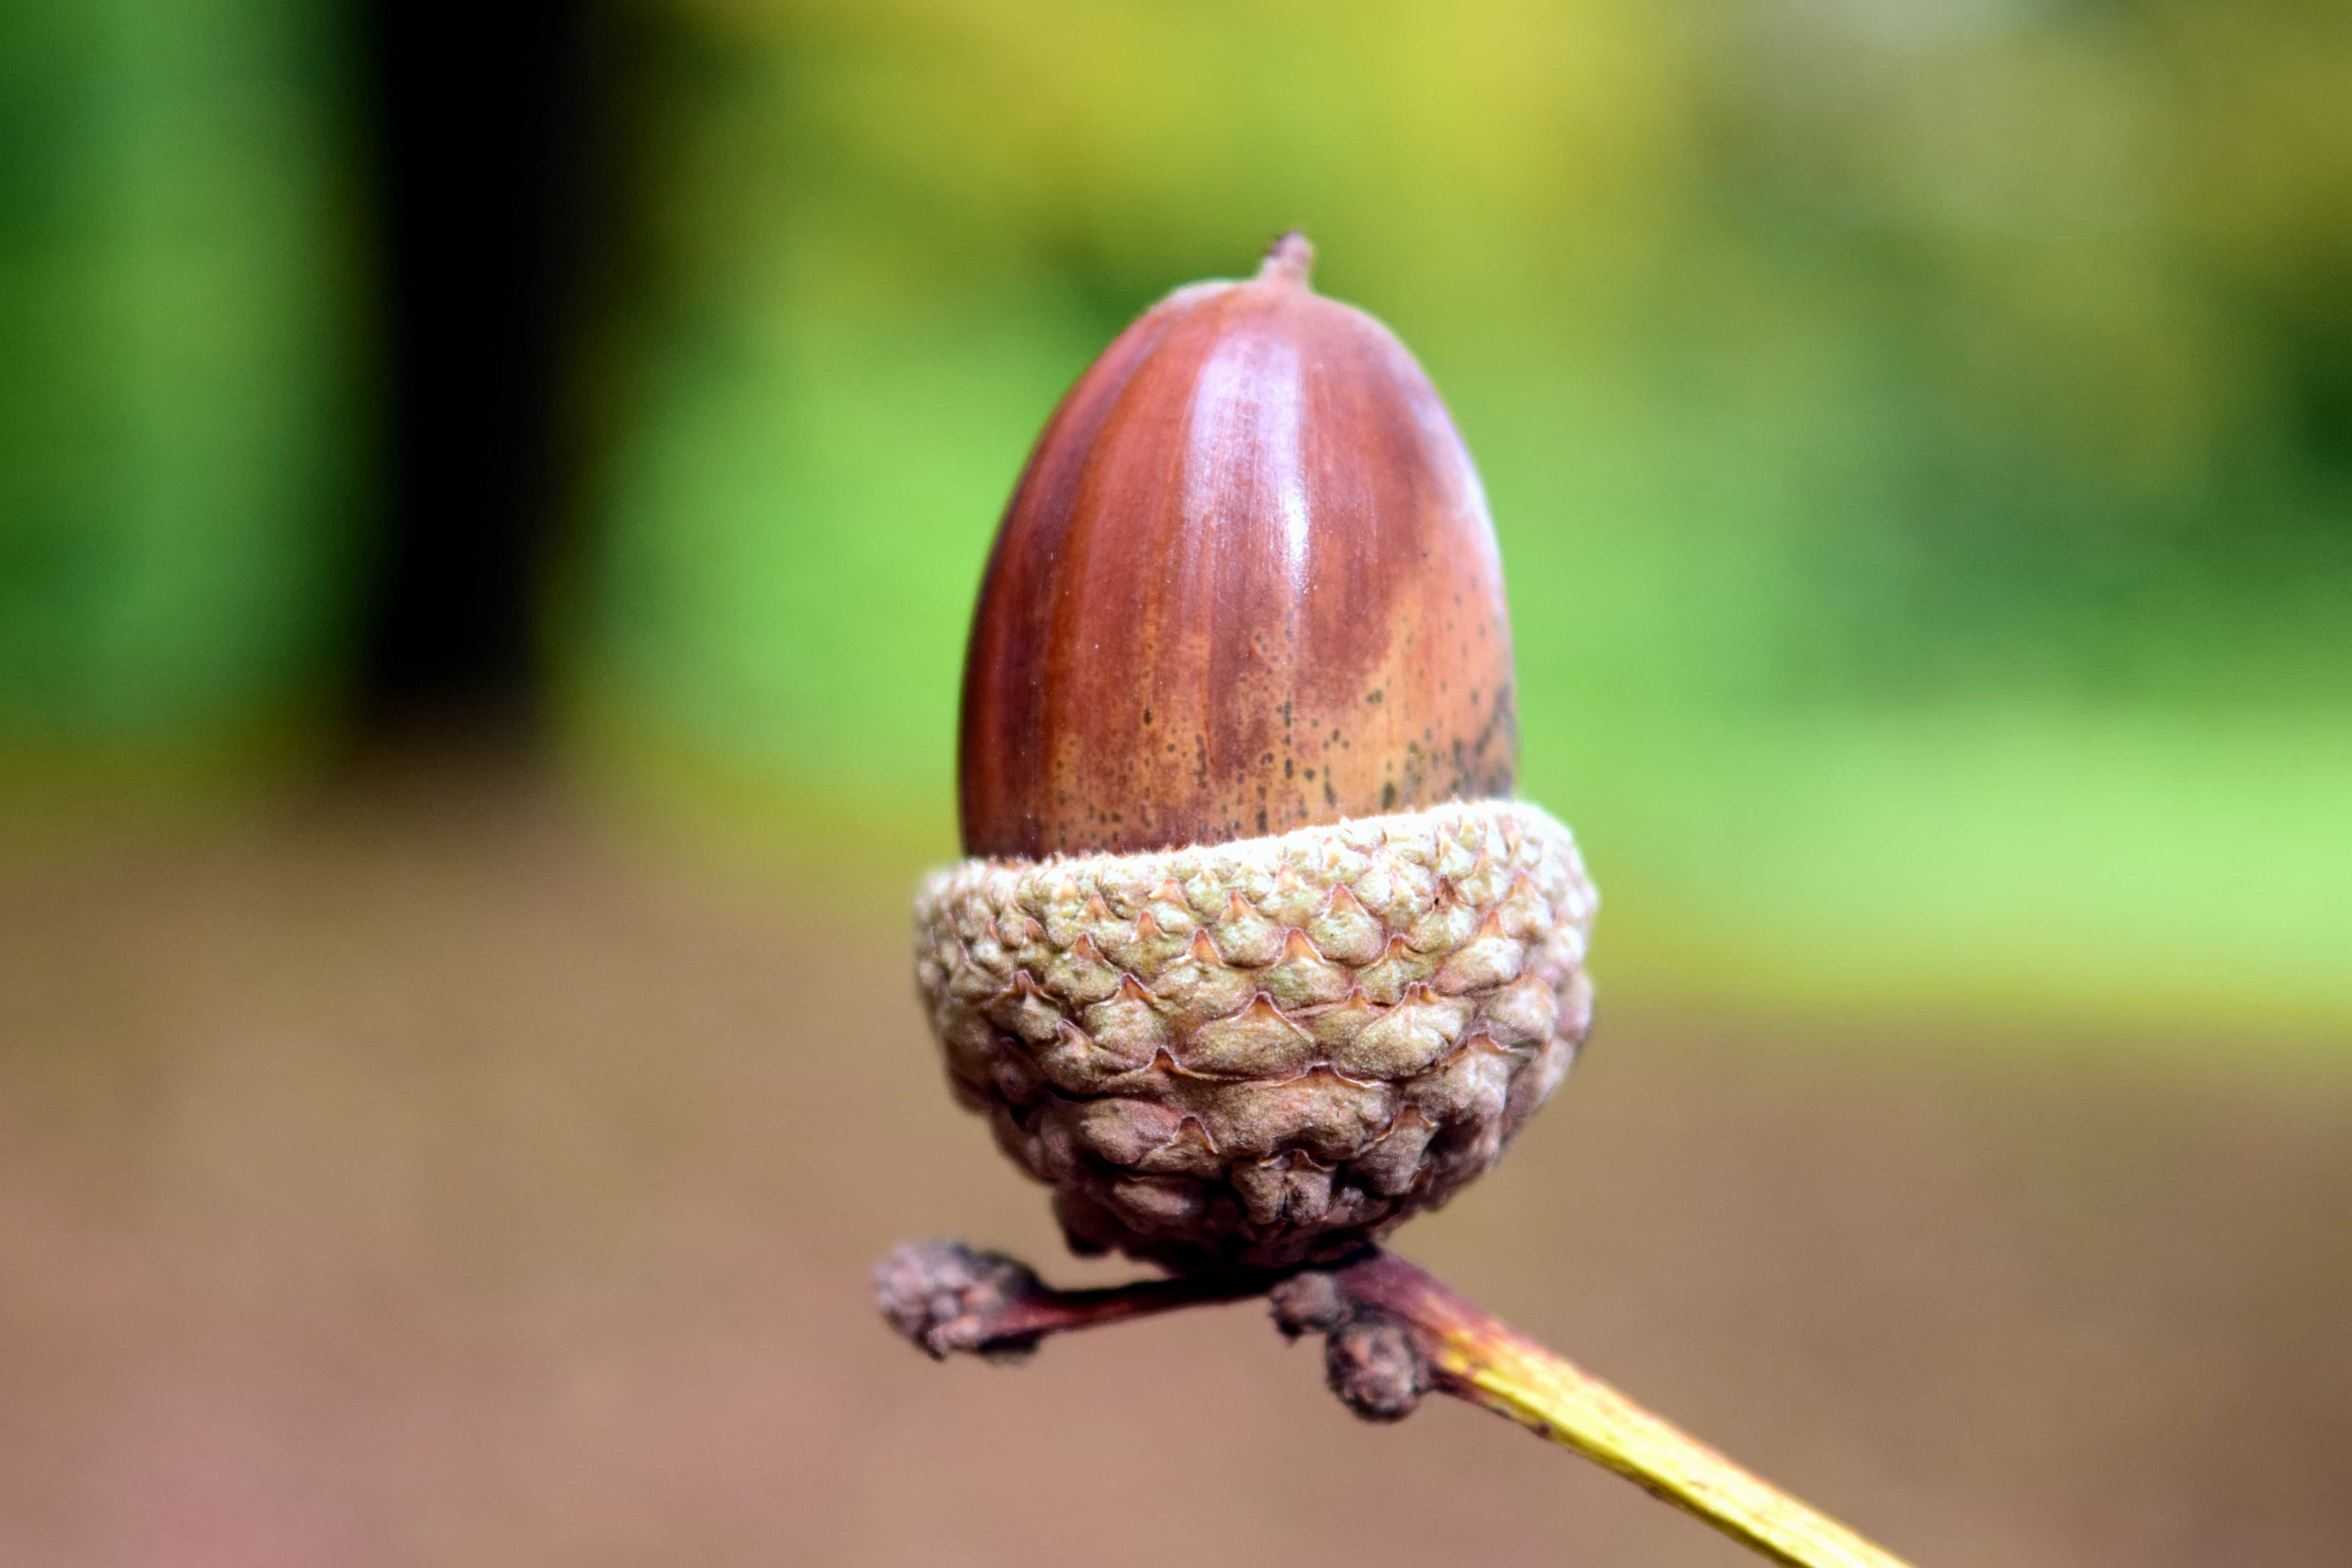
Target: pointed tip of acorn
[{"x": 1290, "y": 259}]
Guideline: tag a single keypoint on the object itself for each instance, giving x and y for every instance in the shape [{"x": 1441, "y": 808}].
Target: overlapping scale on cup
[{"x": 1264, "y": 1052}]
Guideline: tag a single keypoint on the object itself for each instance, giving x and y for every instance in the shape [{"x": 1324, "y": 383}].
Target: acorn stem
[
  {"x": 1475, "y": 1356},
  {"x": 946, "y": 1297}
]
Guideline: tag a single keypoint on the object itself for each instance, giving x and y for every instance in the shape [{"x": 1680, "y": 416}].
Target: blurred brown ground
[{"x": 425, "y": 1175}]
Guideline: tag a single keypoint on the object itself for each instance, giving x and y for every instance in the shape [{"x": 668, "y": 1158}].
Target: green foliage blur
[
  {"x": 1919, "y": 431},
  {"x": 181, "y": 408}
]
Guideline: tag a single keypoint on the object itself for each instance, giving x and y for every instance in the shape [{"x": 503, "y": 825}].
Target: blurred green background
[
  {"x": 490, "y": 496},
  {"x": 181, "y": 401},
  {"x": 1920, "y": 431}
]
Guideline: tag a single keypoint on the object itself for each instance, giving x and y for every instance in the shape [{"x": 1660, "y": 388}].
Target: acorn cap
[
  {"x": 1248, "y": 583},
  {"x": 1266, "y": 1052}
]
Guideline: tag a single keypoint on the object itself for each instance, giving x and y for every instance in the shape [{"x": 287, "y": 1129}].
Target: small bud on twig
[
  {"x": 1373, "y": 1366},
  {"x": 1369, "y": 1358},
  {"x": 946, "y": 1297}
]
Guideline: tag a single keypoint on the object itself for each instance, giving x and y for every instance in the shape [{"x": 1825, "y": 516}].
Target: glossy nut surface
[{"x": 1248, "y": 583}]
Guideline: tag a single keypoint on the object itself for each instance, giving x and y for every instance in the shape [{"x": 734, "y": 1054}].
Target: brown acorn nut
[
  {"x": 1251, "y": 960},
  {"x": 1246, "y": 583}
]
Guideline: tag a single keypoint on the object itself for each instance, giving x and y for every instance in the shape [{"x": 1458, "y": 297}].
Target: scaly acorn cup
[{"x": 1254, "y": 955}]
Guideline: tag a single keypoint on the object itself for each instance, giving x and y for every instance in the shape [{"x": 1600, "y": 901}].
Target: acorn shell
[{"x": 1248, "y": 583}]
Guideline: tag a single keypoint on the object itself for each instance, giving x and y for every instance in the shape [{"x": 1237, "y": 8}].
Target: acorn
[{"x": 1254, "y": 955}]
